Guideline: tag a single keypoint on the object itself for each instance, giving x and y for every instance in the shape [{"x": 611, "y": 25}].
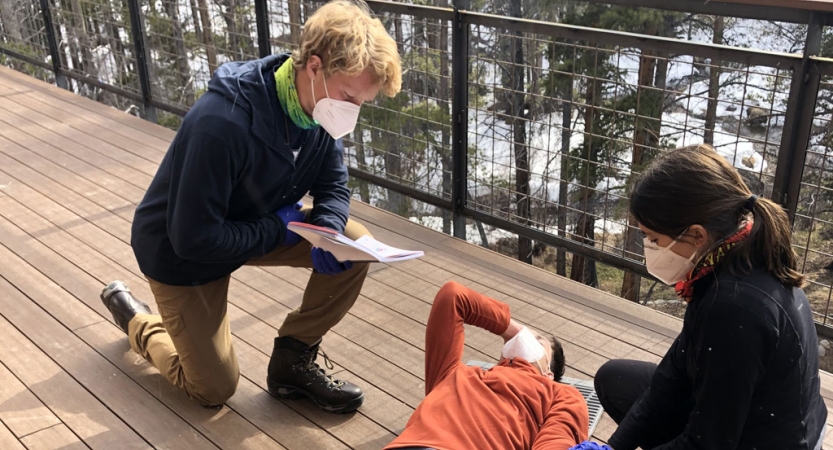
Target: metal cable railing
[{"x": 522, "y": 134}]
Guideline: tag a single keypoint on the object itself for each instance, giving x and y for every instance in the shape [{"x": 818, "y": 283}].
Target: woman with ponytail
[{"x": 744, "y": 371}]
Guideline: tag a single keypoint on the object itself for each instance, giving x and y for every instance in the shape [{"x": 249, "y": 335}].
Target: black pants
[{"x": 620, "y": 383}]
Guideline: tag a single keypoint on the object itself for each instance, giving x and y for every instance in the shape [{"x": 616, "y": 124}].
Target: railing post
[
  {"x": 60, "y": 79},
  {"x": 141, "y": 58},
  {"x": 460, "y": 117},
  {"x": 798, "y": 123},
  {"x": 264, "y": 48}
]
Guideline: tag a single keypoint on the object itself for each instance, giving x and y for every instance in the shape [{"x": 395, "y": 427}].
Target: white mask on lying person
[{"x": 525, "y": 345}]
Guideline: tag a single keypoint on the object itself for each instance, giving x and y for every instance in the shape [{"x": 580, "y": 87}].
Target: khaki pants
[{"x": 190, "y": 340}]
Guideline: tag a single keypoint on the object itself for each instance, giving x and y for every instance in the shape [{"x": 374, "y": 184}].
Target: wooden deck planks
[
  {"x": 56, "y": 437},
  {"x": 8, "y": 441},
  {"x": 76, "y": 170},
  {"x": 20, "y": 410}
]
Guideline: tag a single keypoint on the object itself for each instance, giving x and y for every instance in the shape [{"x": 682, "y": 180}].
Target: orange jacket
[{"x": 508, "y": 407}]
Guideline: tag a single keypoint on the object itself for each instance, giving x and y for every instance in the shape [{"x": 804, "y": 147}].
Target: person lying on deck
[{"x": 518, "y": 404}]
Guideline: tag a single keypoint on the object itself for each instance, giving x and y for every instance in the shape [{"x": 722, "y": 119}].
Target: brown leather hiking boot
[{"x": 293, "y": 373}]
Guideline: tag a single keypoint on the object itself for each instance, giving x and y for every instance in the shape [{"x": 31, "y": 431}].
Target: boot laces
[{"x": 313, "y": 367}]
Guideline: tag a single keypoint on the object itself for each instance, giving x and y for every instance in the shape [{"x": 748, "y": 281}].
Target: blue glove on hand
[
  {"x": 587, "y": 445},
  {"x": 324, "y": 262},
  {"x": 291, "y": 213}
]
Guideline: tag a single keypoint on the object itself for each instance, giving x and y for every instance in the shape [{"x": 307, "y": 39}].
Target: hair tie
[{"x": 750, "y": 202}]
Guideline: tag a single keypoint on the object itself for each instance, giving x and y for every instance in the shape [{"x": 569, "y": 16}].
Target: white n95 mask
[
  {"x": 524, "y": 345},
  {"x": 337, "y": 117},
  {"x": 666, "y": 265}
]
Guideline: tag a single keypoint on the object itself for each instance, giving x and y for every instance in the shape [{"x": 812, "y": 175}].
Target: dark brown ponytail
[{"x": 770, "y": 242}]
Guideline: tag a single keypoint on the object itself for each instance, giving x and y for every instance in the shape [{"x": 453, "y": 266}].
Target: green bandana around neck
[{"x": 288, "y": 96}]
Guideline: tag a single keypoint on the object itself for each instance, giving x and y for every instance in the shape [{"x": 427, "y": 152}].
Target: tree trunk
[
  {"x": 63, "y": 45},
  {"x": 27, "y": 21},
  {"x": 445, "y": 105},
  {"x": 361, "y": 161},
  {"x": 184, "y": 86},
  {"x": 295, "y": 23},
  {"x": 118, "y": 50},
  {"x": 208, "y": 37},
  {"x": 195, "y": 18},
  {"x": 233, "y": 48},
  {"x": 10, "y": 20},
  {"x": 244, "y": 13},
  {"x": 714, "y": 84},
  {"x": 563, "y": 185},
  {"x": 641, "y": 140},
  {"x": 79, "y": 24},
  {"x": 84, "y": 48},
  {"x": 397, "y": 202},
  {"x": 584, "y": 269},
  {"x": 517, "y": 116}
]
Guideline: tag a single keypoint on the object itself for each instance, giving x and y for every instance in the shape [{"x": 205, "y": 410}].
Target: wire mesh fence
[
  {"x": 557, "y": 128},
  {"x": 22, "y": 31},
  {"x": 560, "y": 129},
  {"x": 188, "y": 40},
  {"x": 813, "y": 226},
  {"x": 407, "y": 139},
  {"x": 94, "y": 41},
  {"x": 286, "y": 20}
]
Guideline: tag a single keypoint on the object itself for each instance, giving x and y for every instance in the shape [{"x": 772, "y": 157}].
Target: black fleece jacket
[{"x": 744, "y": 371}]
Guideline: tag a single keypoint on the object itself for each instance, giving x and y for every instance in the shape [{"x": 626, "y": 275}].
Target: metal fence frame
[{"x": 807, "y": 71}]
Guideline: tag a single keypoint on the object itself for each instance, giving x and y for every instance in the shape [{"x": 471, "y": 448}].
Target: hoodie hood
[{"x": 250, "y": 86}]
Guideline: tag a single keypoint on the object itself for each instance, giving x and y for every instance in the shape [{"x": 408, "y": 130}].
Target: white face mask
[
  {"x": 666, "y": 265},
  {"x": 524, "y": 345},
  {"x": 337, "y": 117}
]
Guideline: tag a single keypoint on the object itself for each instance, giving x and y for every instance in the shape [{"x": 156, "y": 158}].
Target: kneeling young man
[
  {"x": 266, "y": 133},
  {"x": 518, "y": 404}
]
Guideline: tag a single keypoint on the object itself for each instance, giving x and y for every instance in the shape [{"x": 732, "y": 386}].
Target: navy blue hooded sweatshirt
[{"x": 210, "y": 207}]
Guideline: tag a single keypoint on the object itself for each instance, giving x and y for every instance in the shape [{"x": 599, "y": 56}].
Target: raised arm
[{"x": 454, "y": 306}]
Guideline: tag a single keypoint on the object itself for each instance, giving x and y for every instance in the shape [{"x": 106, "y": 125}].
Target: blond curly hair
[{"x": 349, "y": 40}]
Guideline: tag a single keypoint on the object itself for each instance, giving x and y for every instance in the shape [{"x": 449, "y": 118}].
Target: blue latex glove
[
  {"x": 291, "y": 213},
  {"x": 324, "y": 262},
  {"x": 587, "y": 445}
]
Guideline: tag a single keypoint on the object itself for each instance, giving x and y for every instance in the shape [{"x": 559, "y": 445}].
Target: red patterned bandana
[{"x": 685, "y": 288}]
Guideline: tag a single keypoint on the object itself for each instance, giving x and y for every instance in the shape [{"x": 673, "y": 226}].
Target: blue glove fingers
[
  {"x": 326, "y": 263},
  {"x": 590, "y": 445},
  {"x": 291, "y": 213},
  {"x": 316, "y": 259},
  {"x": 319, "y": 261},
  {"x": 333, "y": 266}
]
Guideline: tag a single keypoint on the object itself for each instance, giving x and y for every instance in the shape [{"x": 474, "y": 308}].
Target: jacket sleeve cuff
[{"x": 273, "y": 222}]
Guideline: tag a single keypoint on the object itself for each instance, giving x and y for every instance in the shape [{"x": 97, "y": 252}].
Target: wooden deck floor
[{"x": 72, "y": 172}]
